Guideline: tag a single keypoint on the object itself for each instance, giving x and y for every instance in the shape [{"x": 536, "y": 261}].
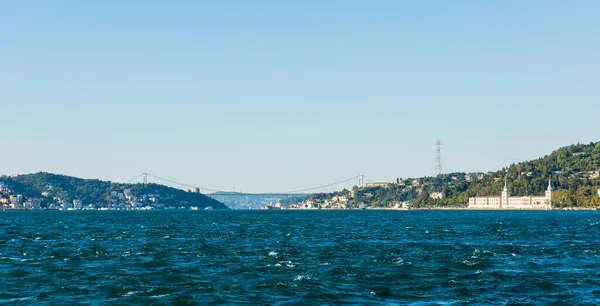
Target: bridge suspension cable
[
  {"x": 233, "y": 192},
  {"x": 135, "y": 178},
  {"x": 182, "y": 184},
  {"x": 323, "y": 186}
]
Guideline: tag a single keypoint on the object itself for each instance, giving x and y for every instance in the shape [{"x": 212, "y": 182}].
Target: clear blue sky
[{"x": 282, "y": 95}]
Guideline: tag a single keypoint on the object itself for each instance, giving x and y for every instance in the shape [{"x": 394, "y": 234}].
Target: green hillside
[
  {"x": 48, "y": 190},
  {"x": 573, "y": 170}
]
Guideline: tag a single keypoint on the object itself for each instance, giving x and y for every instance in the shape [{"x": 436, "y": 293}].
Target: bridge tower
[{"x": 438, "y": 159}]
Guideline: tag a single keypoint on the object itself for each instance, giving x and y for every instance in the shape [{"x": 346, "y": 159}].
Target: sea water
[{"x": 299, "y": 257}]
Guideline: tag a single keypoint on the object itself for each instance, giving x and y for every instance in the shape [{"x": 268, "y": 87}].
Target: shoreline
[{"x": 323, "y": 209}]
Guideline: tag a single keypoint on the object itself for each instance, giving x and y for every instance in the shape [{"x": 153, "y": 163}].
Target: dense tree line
[{"x": 573, "y": 171}]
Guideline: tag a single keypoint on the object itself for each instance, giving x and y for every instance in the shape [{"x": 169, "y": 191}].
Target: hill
[
  {"x": 253, "y": 201},
  {"x": 574, "y": 171},
  {"x": 46, "y": 190}
]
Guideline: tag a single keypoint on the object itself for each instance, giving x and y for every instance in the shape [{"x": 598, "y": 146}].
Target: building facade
[
  {"x": 437, "y": 195},
  {"x": 506, "y": 201},
  {"x": 377, "y": 184}
]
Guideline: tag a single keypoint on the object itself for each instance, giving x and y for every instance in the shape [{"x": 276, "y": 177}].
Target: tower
[
  {"x": 505, "y": 195},
  {"x": 549, "y": 193},
  {"x": 360, "y": 181},
  {"x": 438, "y": 159}
]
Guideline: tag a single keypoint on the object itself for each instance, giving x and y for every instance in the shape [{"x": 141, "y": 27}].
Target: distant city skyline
[{"x": 269, "y": 96}]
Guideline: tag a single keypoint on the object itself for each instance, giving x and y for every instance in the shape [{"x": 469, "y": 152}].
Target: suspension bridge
[{"x": 143, "y": 178}]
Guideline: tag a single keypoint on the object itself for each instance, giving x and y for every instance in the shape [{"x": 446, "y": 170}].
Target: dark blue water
[{"x": 300, "y": 257}]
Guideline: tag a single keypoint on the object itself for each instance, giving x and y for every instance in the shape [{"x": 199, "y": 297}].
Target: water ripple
[{"x": 298, "y": 257}]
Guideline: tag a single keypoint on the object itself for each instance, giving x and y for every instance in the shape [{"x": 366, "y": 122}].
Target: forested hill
[
  {"x": 572, "y": 169},
  {"x": 58, "y": 191}
]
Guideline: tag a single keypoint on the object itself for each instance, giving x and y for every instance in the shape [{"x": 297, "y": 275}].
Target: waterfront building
[
  {"x": 395, "y": 204},
  {"x": 506, "y": 201},
  {"x": 308, "y": 204},
  {"x": 400, "y": 205},
  {"x": 16, "y": 199}
]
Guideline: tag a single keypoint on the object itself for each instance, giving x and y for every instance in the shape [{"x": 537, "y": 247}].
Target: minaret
[
  {"x": 505, "y": 195},
  {"x": 549, "y": 193}
]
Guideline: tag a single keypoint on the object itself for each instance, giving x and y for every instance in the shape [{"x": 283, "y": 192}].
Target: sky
[{"x": 272, "y": 96}]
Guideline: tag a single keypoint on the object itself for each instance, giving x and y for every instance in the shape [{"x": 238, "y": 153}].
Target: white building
[
  {"x": 16, "y": 199},
  {"x": 30, "y": 204},
  {"x": 339, "y": 199},
  {"x": 308, "y": 204},
  {"x": 436, "y": 195},
  {"x": 506, "y": 201},
  {"x": 474, "y": 176}
]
